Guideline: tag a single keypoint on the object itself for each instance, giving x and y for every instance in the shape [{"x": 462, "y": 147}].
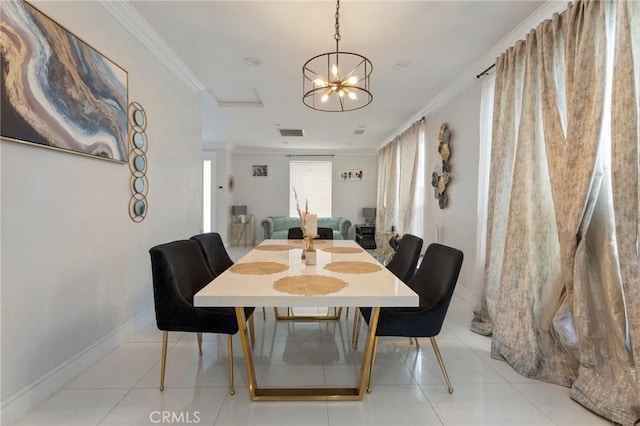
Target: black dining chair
[
  {"x": 434, "y": 283},
  {"x": 179, "y": 271},
  {"x": 405, "y": 260},
  {"x": 295, "y": 234},
  {"x": 323, "y": 234},
  {"x": 214, "y": 252},
  {"x": 218, "y": 260},
  {"x": 402, "y": 265}
]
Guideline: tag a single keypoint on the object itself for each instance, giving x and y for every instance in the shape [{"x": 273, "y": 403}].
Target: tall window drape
[
  {"x": 562, "y": 287},
  {"x": 401, "y": 182}
]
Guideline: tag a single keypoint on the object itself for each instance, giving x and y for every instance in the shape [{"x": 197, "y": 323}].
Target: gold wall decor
[
  {"x": 138, "y": 205},
  {"x": 442, "y": 175}
]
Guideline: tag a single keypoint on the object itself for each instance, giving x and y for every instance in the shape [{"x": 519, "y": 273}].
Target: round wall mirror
[
  {"x": 139, "y": 207},
  {"x": 138, "y": 185},
  {"x": 138, "y": 140},
  {"x": 139, "y": 163},
  {"x": 138, "y": 117}
]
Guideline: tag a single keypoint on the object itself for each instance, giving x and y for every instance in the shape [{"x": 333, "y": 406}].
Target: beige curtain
[
  {"x": 397, "y": 178},
  {"x": 559, "y": 269}
]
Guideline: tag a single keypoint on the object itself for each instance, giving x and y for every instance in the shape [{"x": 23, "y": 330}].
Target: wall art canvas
[
  {"x": 351, "y": 174},
  {"x": 260, "y": 170},
  {"x": 57, "y": 91}
]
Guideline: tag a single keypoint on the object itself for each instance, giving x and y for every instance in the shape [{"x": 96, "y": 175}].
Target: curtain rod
[
  {"x": 485, "y": 72},
  {"x": 310, "y": 155}
]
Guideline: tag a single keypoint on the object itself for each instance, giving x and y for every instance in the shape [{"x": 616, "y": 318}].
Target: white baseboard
[{"x": 37, "y": 392}]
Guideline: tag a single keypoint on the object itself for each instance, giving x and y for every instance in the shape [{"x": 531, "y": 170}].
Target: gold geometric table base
[
  {"x": 307, "y": 393},
  {"x": 306, "y": 317}
]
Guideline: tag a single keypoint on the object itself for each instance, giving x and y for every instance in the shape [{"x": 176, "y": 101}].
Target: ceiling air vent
[
  {"x": 358, "y": 131},
  {"x": 291, "y": 132}
]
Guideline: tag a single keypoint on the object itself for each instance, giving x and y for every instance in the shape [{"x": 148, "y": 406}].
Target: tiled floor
[{"x": 122, "y": 389}]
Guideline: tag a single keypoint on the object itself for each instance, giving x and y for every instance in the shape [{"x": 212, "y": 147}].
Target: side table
[{"x": 242, "y": 232}]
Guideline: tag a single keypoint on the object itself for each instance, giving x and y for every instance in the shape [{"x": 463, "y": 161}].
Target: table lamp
[
  {"x": 239, "y": 213},
  {"x": 369, "y": 215}
]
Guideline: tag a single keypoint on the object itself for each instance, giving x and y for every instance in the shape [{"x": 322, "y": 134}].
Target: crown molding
[
  {"x": 129, "y": 17},
  {"x": 288, "y": 151},
  {"x": 468, "y": 77}
]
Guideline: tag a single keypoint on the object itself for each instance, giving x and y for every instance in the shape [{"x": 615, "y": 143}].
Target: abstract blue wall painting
[{"x": 56, "y": 91}]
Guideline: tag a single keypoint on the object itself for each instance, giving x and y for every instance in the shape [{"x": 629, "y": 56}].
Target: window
[{"x": 312, "y": 181}]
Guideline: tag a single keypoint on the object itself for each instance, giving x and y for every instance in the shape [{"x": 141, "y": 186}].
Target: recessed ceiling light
[
  {"x": 252, "y": 62},
  {"x": 402, "y": 65}
]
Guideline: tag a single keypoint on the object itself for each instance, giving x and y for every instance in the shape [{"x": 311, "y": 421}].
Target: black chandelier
[{"x": 327, "y": 87}]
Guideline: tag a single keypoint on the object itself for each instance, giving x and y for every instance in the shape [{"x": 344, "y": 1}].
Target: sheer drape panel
[
  {"x": 397, "y": 180},
  {"x": 408, "y": 173},
  {"x": 482, "y": 323},
  {"x": 385, "y": 212},
  {"x": 625, "y": 164},
  {"x": 562, "y": 291}
]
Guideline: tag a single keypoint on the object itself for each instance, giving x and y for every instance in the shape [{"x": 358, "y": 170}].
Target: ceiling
[{"x": 439, "y": 39}]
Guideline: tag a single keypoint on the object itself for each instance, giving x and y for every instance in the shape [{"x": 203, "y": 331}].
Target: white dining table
[{"x": 274, "y": 274}]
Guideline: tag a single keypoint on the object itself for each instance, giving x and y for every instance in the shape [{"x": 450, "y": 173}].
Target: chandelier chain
[{"x": 337, "y": 34}]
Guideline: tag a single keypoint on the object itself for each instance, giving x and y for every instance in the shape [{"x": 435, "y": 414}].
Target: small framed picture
[
  {"x": 260, "y": 170},
  {"x": 351, "y": 175}
]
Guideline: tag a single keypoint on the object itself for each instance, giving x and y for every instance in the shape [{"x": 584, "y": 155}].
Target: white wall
[
  {"x": 269, "y": 196},
  {"x": 459, "y": 219},
  {"x": 75, "y": 268}
]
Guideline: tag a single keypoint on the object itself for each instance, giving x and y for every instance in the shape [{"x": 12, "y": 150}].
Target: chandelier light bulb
[
  {"x": 341, "y": 93},
  {"x": 353, "y": 96},
  {"x": 324, "y": 98},
  {"x": 320, "y": 82},
  {"x": 334, "y": 70},
  {"x": 352, "y": 80}
]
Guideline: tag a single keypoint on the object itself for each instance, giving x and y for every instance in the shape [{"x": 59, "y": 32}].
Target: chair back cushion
[
  {"x": 437, "y": 276},
  {"x": 179, "y": 271},
  {"x": 325, "y": 233},
  {"x": 404, "y": 262},
  {"x": 295, "y": 234},
  {"x": 214, "y": 252}
]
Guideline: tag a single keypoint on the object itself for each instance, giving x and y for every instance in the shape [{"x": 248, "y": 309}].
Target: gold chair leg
[
  {"x": 417, "y": 343},
  {"x": 163, "y": 363},
  {"x": 373, "y": 361},
  {"x": 264, "y": 314},
  {"x": 356, "y": 330},
  {"x": 252, "y": 332},
  {"x": 410, "y": 341},
  {"x": 441, "y": 362},
  {"x": 346, "y": 314},
  {"x": 199, "y": 338},
  {"x": 232, "y": 390},
  {"x": 355, "y": 325}
]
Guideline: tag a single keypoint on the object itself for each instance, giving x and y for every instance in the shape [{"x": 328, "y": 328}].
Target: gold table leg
[
  {"x": 306, "y": 317},
  {"x": 307, "y": 393}
]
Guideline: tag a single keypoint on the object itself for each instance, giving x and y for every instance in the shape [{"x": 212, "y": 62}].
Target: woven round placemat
[
  {"x": 274, "y": 247},
  {"x": 309, "y": 285},
  {"x": 258, "y": 268},
  {"x": 352, "y": 267},
  {"x": 342, "y": 250}
]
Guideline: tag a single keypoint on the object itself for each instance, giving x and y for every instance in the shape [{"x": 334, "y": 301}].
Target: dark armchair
[
  {"x": 179, "y": 271},
  {"x": 402, "y": 265},
  {"x": 219, "y": 261},
  {"x": 434, "y": 282}
]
